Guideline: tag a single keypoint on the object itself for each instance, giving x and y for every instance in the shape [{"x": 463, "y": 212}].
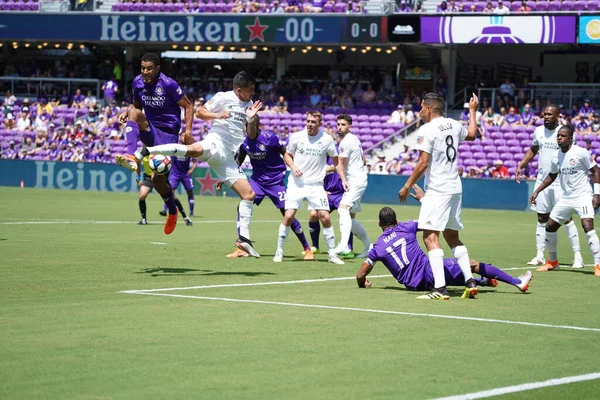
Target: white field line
[
  {"x": 367, "y": 310},
  {"x": 161, "y": 243},
  {"x": 523, "y": 387}
]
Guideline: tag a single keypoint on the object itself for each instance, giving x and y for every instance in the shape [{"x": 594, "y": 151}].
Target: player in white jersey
[
  {"x": 231, "y": 113},
  {"x": 353, "y": 174},
  {"x": 572, "y": 164},
  {"x": 306, "y": 156},
  {"x": 544, "y": 143},
  {"x": 441, "y": 206}
]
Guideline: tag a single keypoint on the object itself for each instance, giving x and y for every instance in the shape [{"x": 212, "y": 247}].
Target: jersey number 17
[{"x": 399, "y": 244}]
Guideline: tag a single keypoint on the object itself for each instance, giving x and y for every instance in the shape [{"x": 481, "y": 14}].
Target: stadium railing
[{"x": 18, "y": 85}]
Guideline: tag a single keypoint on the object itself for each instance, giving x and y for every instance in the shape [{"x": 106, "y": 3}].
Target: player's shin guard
[
  {"x": 571, "y": 229},
  {"x": 297, "y": 228},
  {"x": 436, "y": 259},
  {"x": 142, "y": 205},
  {"x": 540, "y": 239},
  {"x": 169, "y": 200},
  {"x": 329, "y": 235},
  {"x": 180, "y": 208},
  {"x": 462, "y": 258},
  {"x": 315, "y": 231},
  {"x": 594, "y": 244},
  {"x": 192, "y": 203},
  {"x": 551, "y": 241},
  {"x": 284, "y": 231},
  {"x": 360, "y": 233},
  {"x": 345, "y": 226},
  {"x": 245, "y": 212},
  {"x": 132, "y": 133},
  {"x": 172, "y": 149}
]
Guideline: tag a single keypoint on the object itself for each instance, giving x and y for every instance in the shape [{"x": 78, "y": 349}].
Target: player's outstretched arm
[
  {"x": 184, "y": 102},
  {"x": 361, "y": 275},
  {"x": 206, "y": 115},
  {"x": 525, "y": 161},
  {"x": 472, "y": 128},
  {"x": 252, "y": 119},
  {"x": 547, "y": 182},
  {"x": 415, "y": 176}
]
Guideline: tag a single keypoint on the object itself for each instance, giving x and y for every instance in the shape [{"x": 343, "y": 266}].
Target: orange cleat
[
  {"x": 549, "y": 266},
  {"x": 308, "y": 255},
  {"x": 597, "y": 270},
  {"x": 170, "y": 224},
  {"x": 237, "y": 253}
]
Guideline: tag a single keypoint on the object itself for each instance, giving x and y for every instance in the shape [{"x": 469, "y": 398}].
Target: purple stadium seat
[
  {"x": 506, "y": 128},
  {"x": 489, "y": 148},
  {"x": 514, "y": 6},
  {"x": 510, "y": 135},
  {"x": 510, "y": 163},
  {"x": 515, "y": 149},
  {"x": 327, "y": 8},
  {"x": 366, "y": 145},
  {"x": 517, "y": 157},
  {"x": 513, "y": 142},
  {"x": 469, "y": 162},
  {"x": 499, "y": 142},
  {"x": 340, "y": 7},
  {"x": 506, "y": 156},
  {"x": 146, "y": 7},
  {"x": 541, "y": 6},
  {"x": 479, "y": 155},
  {"x": 525, "y": 142},
  {"x": 481, "y": 162},
  {"x": 503, "y": 149},
  {"x": 479, "y": 6},
  {"x": 475, "y": 147},
  {"x": 579, "y": 6},
  {"x": 567, "y": 5},
  {"x": 496, "y": 135},
  {"x": 493, "y": 156},
  {"x": 593, "y": 5},
  {"x": 493, "y": 128}
]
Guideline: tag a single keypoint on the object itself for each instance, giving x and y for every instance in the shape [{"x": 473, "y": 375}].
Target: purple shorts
[
  {"x": 453, "y": 273},
  {"x": 187, "y": 181},
  {"x": 155, "y": 136},
  {"x": 334, "y": 201},
  {"x": 275, "y": 192}
]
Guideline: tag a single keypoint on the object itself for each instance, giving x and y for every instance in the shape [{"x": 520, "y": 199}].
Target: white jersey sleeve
[
  {"x": 462, "y": 135},
  {"x": 215, "y": 104},
  {"x": 292, "y": 144},
  {"x": 231, "y": 130}
]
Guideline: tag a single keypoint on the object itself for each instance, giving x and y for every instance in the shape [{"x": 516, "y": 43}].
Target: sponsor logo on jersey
[
  {"x": 420, "y": 139},
  {"x": 262, "y": 147},
  {"x": 159, "y": 90}
]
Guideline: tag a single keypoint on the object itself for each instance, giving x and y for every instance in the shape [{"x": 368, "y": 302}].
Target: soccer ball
[{"x": 160, "y": 164}]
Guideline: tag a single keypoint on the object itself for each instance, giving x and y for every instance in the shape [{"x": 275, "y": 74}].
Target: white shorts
[
  {"x": 440, "y": 212},
  {"x": 221, "y": 161},
  {"x": 564, "y": 209},
  {"x": 314, "y": 193},
  {"x": 547, "y": 199},
  {"x": 352, "y": 197}
]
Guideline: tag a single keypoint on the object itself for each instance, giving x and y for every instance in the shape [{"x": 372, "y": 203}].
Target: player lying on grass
[{"x": 398, "y": 249}]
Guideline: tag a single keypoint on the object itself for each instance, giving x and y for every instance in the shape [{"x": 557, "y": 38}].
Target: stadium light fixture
[
  {"x": 265, "y": 48},
  {"x": 388, "y": 51},
  {"x": 197, "y": 48},
  {"x": 27, "y": 45},
  {"x": 304, "y": 51},
  {"x": 57, "y": 45},
  {"x": 219, "y": 49},
  {"x": 1, "y": 44},
  {"x": 174, "y": 46},
  {"x": 209, "y": 48},
  {"x": 330, "y": 51},
  {"x": 319, "y": 49},
  {"x": 82, "y": 46},
  {"x": 368, "y": 48},
  {"x": 378, "y": 49},
  {"x": 394, "y": 48},
  {"x": 308, "y": 47},
  {"x": 232, "y": 48},
  {"x": 343, "y": 47},
  {"x": 292, "y": 49},
  {"x": 40, "y": 46},
  {"x": 186, "y": 47},
  {"x": 352, "y": 48},
  {"x": 363, "y": 51},
  {"x": 243, "y": 49},
  {"x": 45, "y": 44},
  {"x": 254, "y": 47}
]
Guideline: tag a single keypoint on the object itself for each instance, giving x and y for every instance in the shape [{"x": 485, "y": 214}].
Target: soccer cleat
[
  {"x": 471, "y": 290},
  {"x": 127, "y": 161},
  {"x": 170, "y": 224},
  {"x": 525, "y": 279},
  {"x": 597, "y": 270},
  {"x": 334, "y": 259},
  {"x": 435, "y": 294},
  {"x": 365, "y": 252},
  {"x": 537, "y": 261},
  {"x": 308, "y": 255},
  {"x": 549, "y": 266},
  {"x": 489, "y": 282},
  {"x": 188, "y": 222},
  {"x": 278, "y": 257},
  {"x": 246, "y": 245},
  {"x": 143, "y": 222},
  {"x": 163, "y": 213},
  {"x": 344, "y": 252},
  {"x": 577, "y": 262},
  {"x": 315, "y": 250},
  {"x": 237, "y": 253}
]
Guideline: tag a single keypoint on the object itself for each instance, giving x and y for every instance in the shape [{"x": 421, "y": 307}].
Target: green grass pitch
[{"x": 68, "y": 332}]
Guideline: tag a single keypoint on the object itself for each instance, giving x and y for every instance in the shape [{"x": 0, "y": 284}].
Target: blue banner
[
  {"x": 493, "y": 194},
  {"x": 589, "y": 29},
  {"x": 194, "y": 29}
]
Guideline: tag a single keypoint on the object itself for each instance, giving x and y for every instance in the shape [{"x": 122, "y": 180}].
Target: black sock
[
  {"x": 180, "y": 208},
  {"x": 143, "y": 208}
]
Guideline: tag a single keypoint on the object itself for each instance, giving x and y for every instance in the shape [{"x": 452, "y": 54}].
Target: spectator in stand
[
  {"x": 78, "y": 99},
  {"x": 64, "y": 98},
  {"x": 281, "y": 106},
  {"x": 369, "y": 96},
  {"x": 524, "y": 8},
  {"x": 474, "y": 172},
  {"x": 24, "y": 121},
  {"x": 11, "y": 153},
  {"x": 501, "y": 10},
  {"x": 53, "y": 152},
  {"x": 507, "y": 89},
  {"x": 9, "y": 122},
  {"x": 489, "y": 8},
  {"x": 41, "y": 139},
  {"x": 587, "y": 110},
  {"x": 595, "y": 127},
  {"x": 443, "y": 7},
  {"x": 582, "y": 127},
  {"x": 54, "y": 99},
  {"x": 276, "y": 8},
  {"x": 111, "y": 89},
  {"x": 9, "y": 103},
  {"x": 90, "y": 100},
  {"x": 315, "y": 98},
  {"x": 461, "y": 8},
  {"x": 512, "y": 119},
  {"x": 419, "y": 7},
  {"x": 27, "y": 149},
  {"x": 502, "y": 118},
  {"x": 403, "y": 7},
  {"x": 574, "y": 110},
  {"x": 42, "y": 120},
  {"x": 528, "y": 118},
  {"x": 452, "y": 7},
  {"x": 380, "y": 164},
  {"x": 500, "y": 171},
  {"x": 293, "y": 6},
  {"x": 537, "y": 108},
  {"x": 45, "y": 108},
  {"x": 398, "y": 115}
]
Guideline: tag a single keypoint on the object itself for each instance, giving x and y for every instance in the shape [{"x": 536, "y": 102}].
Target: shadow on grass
[
  {"x": 156, "y": 272},
  {"x": 579, "y": 271}
]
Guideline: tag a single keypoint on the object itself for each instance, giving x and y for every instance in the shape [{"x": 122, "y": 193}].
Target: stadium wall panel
[{"x": 383, "y": 189}]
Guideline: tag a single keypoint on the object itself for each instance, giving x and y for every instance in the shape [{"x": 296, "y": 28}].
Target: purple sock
[
  {"x": 297, "y": 228},
  {"x": 169, "y": 200},
  {"x": 351, "y": 241},
  {"x": 489, "y": 271},
  {"x": 315, "y": 230},
  {"x": 132, "y": 133}
]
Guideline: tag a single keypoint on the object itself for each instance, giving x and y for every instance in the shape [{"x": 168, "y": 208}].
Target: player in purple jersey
[
  {"x": 182, "y": 173},
  {"x": 155, "y": 119},
  {"x": 145, "y": 184},
  {"x": 266, "y": 156},
  {"x": 398, "y": 249}
]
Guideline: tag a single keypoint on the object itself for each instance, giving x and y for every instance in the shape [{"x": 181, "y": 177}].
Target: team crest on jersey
[
  {"x": 159, "y": 90},
  {"x": 572, "y": 162},
  {"x": 262, "y": 147},
  {"x": 420, "y": 139}
]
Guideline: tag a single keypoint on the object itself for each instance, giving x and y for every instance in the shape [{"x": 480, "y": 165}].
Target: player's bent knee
[
  {"x": 543, "y": 218},
  {"x": 587, "y": 224}
]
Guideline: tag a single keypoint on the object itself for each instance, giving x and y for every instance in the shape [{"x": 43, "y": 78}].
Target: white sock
[
  {"x": 284, "y": 231},
  {"x": 345, "y": 226},
  {"x": 172, "y": 149},
  {"x": 551, "y": 240},
  {"x": 540, "y": 239},
  {"x": 245, "y": 217},
  {"x": 594, "y": 244},
  {"x": 436, "y": 259},
  {"x": 329, "y": 235},
  {"x": 464, "y": 262},
  {"x": 573, "y": 237},
  {"x": 360, "y": 232}
]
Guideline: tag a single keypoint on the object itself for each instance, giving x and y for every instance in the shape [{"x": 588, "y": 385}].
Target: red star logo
[
  {"x": 208, "y": 183},
  {"x": 257, "y": 30}
]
